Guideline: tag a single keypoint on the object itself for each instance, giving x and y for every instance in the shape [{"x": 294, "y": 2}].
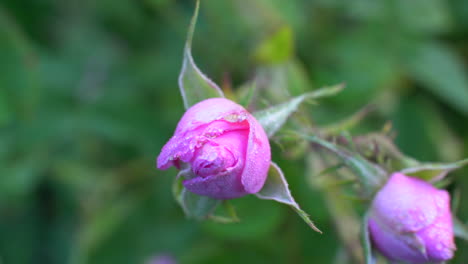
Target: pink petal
[
  {"x": 258, "y": 158},
  {"x": 406, "y": 203},
  {"x": 439, "y": 238},
  {"x": 207, "y": 111},
  {"x": 391, "y": 245},
  {"x": 226, "y": 185}
]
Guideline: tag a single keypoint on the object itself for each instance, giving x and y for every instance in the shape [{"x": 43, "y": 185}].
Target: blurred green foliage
[{"x": 88, "y": 96}]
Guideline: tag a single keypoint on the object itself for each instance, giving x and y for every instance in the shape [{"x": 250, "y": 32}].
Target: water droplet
[
  {"x": 231, "y": 117},
  {"x": 241, "y": 117},
  {"x": 234, "y": 117}
]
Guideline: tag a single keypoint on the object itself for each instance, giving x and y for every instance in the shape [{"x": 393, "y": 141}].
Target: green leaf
[
  {"x": 365, "y": 240},
  {"x": 276, "y": 188},
  {"x": 100, "y": 227},
  {"x": 230, "y": 214},
  {"x": 283, "y": 80},
  {"x": 370, "y": 174},
  {"x": 197, "y": 206},
  {"x": 194, "y": 85},
  {"x": 277, "y": 48},
  {"x": 273, "y": 118},
  {"x": 5, "y": 112},
  {"x": 440, "y": 70},
  {"x": 460, "y": 229},
  {"x": 349, "y": 122},
  {"x": 434, "y": 172},
  {"x": 246, "y": 93},
  {"x": 177, "y": 187},
  {"x": 259, "y": 220},
  {"x": 19, "y": 179},
  {"x": 194, "y": 206},
  {"x": 20, "y": 82},
  {"x": 424, "y": 16}
]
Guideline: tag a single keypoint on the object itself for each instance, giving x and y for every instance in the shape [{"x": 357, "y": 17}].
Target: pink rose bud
[
  {"x": 410, "y": 220},
  {"x": 223, "y": 145}
]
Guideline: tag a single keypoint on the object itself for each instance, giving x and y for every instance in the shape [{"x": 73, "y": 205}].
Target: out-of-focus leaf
[
  {"x": 349, "y": 122},
  {"x": 371, "y": 175},
  {"x": 246, "y": 93},
  {"x": 442, "y": 72},
  {"x": 259, "y": 15},
  {"x": 230, "y": 215},
  {"x": 428, "y": 16},
  {"x": 434, "y": 171},
  {"x": 19, "y": 229},
  {"x": 460, "y": 229},
  {"x": 297, "y": 78},
  {"x": 365, "y": 240},
  {"x": 276, "y": 188},
  {"x": 258, "y": 219},
  {"x": 158, "y": 3},
  {"x": 100, "y": 227},
  {"x": 18, "y": 179},
  {"x": 194, "y": 206},
  {"x": 414, "y": 129},
  {"x": 276, "y": 12},
  {"x": 277, "y": 48},
  {"x": 346, "y": 221},
  {"x": 455, "y": 200},
  {"x": 19, "y": 80},
  {"x": 364, "y": 61},
  {"x": 283, "y": 80},
  {"x": 422, "y": 137},
  {"x": 194, "y": 85},
  {"x": 5, "y": 112},
  {"x": 447, "y": 142},
  {"x": 274, "y": 117}
]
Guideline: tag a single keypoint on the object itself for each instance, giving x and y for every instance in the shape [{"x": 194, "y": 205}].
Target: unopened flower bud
[
  {"x": 410, "y": 221},
  {"x": 224, "y": 147}
]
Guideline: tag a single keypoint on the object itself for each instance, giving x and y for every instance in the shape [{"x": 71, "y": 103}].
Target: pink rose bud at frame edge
[
  {"x": 224, "y": 149},
  {"x": 410, "y": 220}
]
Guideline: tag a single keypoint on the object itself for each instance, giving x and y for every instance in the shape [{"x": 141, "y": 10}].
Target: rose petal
[
  {"x": 407, "y": 204},
  {"x": 439, "y": 238},
  {"x": 225, "y": 185},
  {"x": 391, "y": 245},
  {"x": 258, "y": 158},
  {"x": 207, "y": 111},
  {"x": 180, "y": 147}
]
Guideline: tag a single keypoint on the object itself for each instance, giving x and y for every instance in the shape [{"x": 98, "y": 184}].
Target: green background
[{"x": 89, "y": 95}]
